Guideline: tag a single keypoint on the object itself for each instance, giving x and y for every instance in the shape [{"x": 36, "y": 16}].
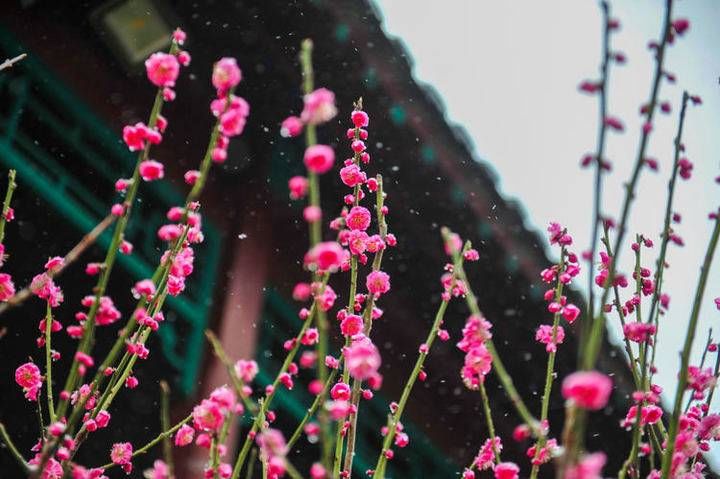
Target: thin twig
[
  {"x": 71, "y": 256},
  {"x": 10, "y": 62},
  {"x": 165, "y": 425},
  {"x": 13, "y": 449},
  {"x": 685, "y": 355}
]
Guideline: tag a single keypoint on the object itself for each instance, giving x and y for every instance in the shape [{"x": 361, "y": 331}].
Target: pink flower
[
  {"x": 291, "y": 127},
  {"x": 319, "y": 107},
  {"x": 338, "y": 409},
  {"x": 340, "y": 392},
  {"x": 317, "y": 471},
  {"x": 191, "y": 176},
  {"x": 475, "y": 332},
  {"x": 681, "y": 25},
  {"x": 121, "y": 454},
  {"x": 144, "y": 287},
  {"x": 544, "y": 335},
  {"x": 351, "y": 325},
  {"x": 232, "y": 123},
  {"x": 207, "y": 416},
  {"x": 710, "y": 427},
  {"x": 360, "y": 119},
  {"x": 319, "y": 158},
  {"x": 246, "y": 370},
  {"x": 589, "y": 467},
  {"x": 151, "y": 170},
  {"x": 45, "y": 288},
  {"x": 486, "y": 456},
  {"x": 298, "y": 186},
  {"x": 614, "y": 123},
  {"x": 312, "y": 214},
  {"x": 362, "y": 358},
  {"x": 54, "y": 263},
  {"x": 507, "y": 470},
  {"x": 351, "y": 175},
  {"x": 272, "y": 443},
  {"x": 226, "y": 75},
  {"x": 184, "y": 435},
  {"x": 570, "y": 312},
  {"x": 358, "y": 218},
  {"x": 162, "y": 69},
  {"x": 28, "y": 377},
  {"x": 378, "y": 282},
  {"x": 639, "y": 332},
  {"x": 159, "y": 471},
  {"x": 7, "y": 287},
  {"x": 179, "y": 36},
  {"x": 478, "y": 363},
  {"x": 310, "y": 337},
  {"x": 587, "y": 389},
  {"x": 325, "y": 256}
]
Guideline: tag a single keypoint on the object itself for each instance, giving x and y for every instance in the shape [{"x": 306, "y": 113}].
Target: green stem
[
  {"x": 370, "y": 304},
  {"x": 597, "y": 196},
  {"x": 498, "y": 366},
  {"x": 87, "y": 340},
  {"x": 550, "y": 370},
  {"x": 632, "y": 459},
  {"x": 292, "y": 472},
  {"x": 6, "y": 203},
  {"x": 685, "y": 356},
  {"x": 659, "y": 275},
  {"x": 48, "y": 361},
  {"x": 251, "y": 469},
  {"x": 319, "y": 399},
  {"x": 13, "y": 449},
  {"x": 489, "y": 421},
  {"x": 397, "y": 414},
  {"x": 165, "y": 425},
  {"x": 276, "y": 383},
  {"x": 238, "y": 383}
]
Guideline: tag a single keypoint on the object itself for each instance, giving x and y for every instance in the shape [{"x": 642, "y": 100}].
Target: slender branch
[
  {"x": 87, "y": 340},
  {"x": 71, "y": 256},
  {"x": 6, "y": 203},
  {"x": 13, "y": 449},
  {"x": 685, "y": 355},
  {"x": 702, "y": 364},
  {"x": 238, "y": 383},
  {"x": 659, "y": 275},
  {"x": 550, "y": 370},
  {"x": 498, "y": 366},
  {"x": 253, "y": 458},
  {"x": 48, "y": 361},
  {"x": 265, "y": 403},
  {"x": 165, "y": 425},
  {"x": 422, "y": 354},
  {"x": 597, "y": 196},
  {"x": 489, "y": 421},
  {"x": 10, "y": 62},
  {"x": 319, "y": 399},
  {"x": 367, "y": 316}
]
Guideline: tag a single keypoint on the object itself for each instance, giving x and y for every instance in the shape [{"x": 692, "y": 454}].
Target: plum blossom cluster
[
  {"x": 560, "y": 275},
  {"x": 318, "y": 107}
]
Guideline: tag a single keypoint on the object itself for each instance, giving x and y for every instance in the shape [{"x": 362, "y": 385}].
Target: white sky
[{"x": 508, "y": 72}]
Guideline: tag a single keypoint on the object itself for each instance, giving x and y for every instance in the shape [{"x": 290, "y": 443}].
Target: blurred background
[{"x": 476, "y": 123}]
